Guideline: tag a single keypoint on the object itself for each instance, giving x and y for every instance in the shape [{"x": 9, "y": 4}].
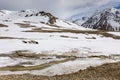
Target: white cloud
[
  {"x": 89, "y": 6},
  {"x": 60, "y": 8}
]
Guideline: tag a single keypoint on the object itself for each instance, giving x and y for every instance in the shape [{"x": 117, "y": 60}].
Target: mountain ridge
[
  {"x": 107, "y": 19},
  {"x": 36, "y": 17}
]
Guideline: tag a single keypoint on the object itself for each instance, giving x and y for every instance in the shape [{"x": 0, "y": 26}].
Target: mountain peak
[
  {"x": 112, "y": 10},
  {"x": 108, "y": 19}
]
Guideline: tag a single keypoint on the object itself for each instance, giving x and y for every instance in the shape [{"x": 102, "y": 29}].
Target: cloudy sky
[{"x": 60, "y": 8}]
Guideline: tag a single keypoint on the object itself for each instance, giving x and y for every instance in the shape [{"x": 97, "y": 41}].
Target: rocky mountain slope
[
  {"x": 108, "y": 19},
  {"x": 37, "y": 18},
  {"x": 27, "y": 13}
]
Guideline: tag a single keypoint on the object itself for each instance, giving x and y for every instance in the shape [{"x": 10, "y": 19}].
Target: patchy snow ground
[
  {"x": 69, "y": 44},
  {"x": 64, "y": 68},
  {"x": 58, "y": 45},
  {"x": 53, "y": 43},
  {"x": 7, "y": 61},
  {"x": 71, "y": 66}
]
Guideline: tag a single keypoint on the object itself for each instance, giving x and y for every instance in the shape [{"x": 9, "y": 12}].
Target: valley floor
[
  {"x": 39, "y": 52},
  {"x": 41, "y": 47},
  {"x": 57, "y": 53}
]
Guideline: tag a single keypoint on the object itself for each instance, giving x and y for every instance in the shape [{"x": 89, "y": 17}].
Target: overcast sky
[{"x": 60, "y": 8}]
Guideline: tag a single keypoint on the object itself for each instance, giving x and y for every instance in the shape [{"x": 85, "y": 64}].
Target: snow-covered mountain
[
  {"x": 81, "y": 20},
  {"x": 38, "y": 18},
  {"x": 78, "y": 19},
  {"x": 108, "y": 19}
]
